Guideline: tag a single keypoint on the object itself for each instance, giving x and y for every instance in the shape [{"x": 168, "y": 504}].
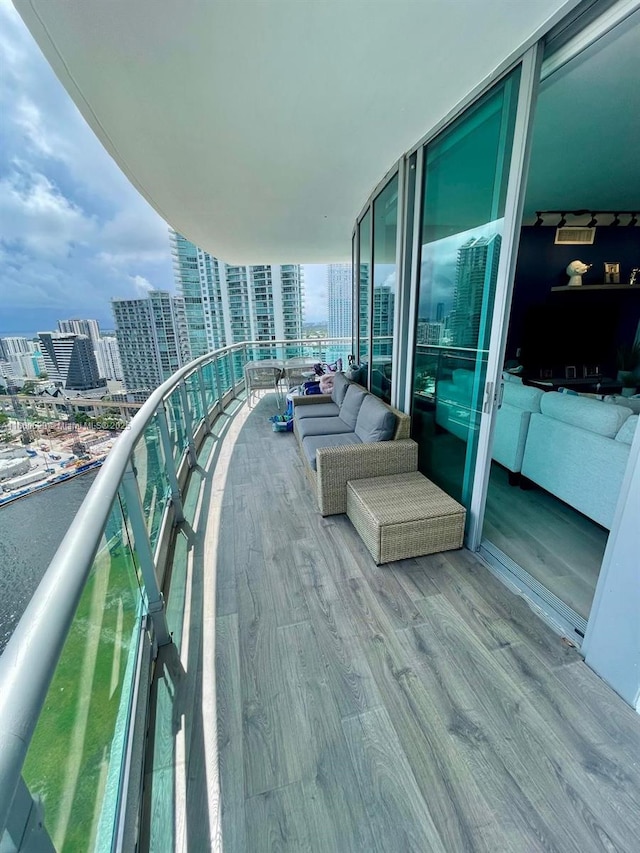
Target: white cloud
[
  {"x": 132, "y": 237},
  {"x": 29, "y": 119},
  {"x": 40, "y": 116},
  {"x": 141, "y": 284},
  {"x": 73, "y": 231},
  {"x": 11, "y": 36},
  {"x": 35, "y": 214}
]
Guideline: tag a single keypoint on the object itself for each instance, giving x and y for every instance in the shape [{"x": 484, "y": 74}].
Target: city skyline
[
  {"x": 226, "y": 304},
  {"x": 74, "y": 233}
]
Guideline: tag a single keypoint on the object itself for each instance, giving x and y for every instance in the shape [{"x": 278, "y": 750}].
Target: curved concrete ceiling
[{"x": 258, "y": 128}]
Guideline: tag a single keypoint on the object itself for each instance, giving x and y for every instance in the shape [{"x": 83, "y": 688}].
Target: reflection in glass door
[
  {"x": 465, "y": 182},
  {"x": 385, "y": 227},
  {"x": 364, "y": 305}
]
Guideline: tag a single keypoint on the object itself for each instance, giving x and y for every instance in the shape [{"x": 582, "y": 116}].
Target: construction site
[{"x": 44, "y": 442}]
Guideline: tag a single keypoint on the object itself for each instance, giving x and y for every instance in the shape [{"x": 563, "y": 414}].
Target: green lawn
[{"x": 67, "y": 763}]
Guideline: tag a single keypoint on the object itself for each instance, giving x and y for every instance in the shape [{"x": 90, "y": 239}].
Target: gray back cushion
[
  {"x": 340, "y": 386},
  {"x": 375, "y": 422},
  {"x": 351, "y": 405}
]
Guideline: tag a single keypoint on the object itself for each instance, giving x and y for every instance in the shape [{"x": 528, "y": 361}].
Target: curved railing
[{"x": 71, "y": 674}]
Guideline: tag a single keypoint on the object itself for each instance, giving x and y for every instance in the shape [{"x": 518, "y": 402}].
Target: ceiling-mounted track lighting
[{"x": 594, "y": 214}]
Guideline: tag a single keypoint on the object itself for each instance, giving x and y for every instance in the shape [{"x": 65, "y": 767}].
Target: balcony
[{"x": 296, "y": 696}]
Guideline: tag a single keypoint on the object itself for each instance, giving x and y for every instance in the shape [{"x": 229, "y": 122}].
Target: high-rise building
[
  {"x": 70, "y": 361},
  {"x": 11, "y": 347},
  {"x": 477, "y": 262},
  {"x": 227, "y": 304},
  {"x": 21, "y": 358},
  {"x": 430, "y": 334},
  {"x": 151, "y": 337},
  {"x": 383, "y": 307},
  {"x": 339, "y": 298},
  {"x": 108, "y": 358},
  {"x": 90, "y": 328}
]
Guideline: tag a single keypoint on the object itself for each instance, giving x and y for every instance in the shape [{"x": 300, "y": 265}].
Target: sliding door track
[{"x": 548, "y": 606}]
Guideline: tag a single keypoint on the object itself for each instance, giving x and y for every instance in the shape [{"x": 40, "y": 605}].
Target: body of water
[{"x": 30, "y": 531}]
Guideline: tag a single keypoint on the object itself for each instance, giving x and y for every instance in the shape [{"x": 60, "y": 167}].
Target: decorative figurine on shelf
[
  {"x": 612, "y": 273},
  {"x": 575, "y": 271}
]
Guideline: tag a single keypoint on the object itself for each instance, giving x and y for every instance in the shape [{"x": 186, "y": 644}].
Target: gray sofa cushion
[
  {"x": 375, "y": 422},
  {"x": 321, "y": 426},
  {"x": 340, "y": 386},
  {"x": 316, "y": 410},
  {"x": 315, "y": 442},
  {"x": 351, "y": 405}
]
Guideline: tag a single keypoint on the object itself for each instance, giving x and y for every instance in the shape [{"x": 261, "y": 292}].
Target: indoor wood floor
[
  {"x": 413, "y": 707},
  {"x": 559, "y": 546}
]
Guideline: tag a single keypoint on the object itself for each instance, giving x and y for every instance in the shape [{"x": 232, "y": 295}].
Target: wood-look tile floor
[{"x": 416, "y": 706}]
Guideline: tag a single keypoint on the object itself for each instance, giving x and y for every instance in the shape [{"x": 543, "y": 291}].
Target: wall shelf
[{"x": 598, "y": 287}]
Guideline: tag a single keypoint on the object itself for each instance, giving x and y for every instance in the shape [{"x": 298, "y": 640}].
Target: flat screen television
[{"x": 570, "y": 333}]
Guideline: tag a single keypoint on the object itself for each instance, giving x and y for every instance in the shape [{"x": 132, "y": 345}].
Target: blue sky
[{"x": 73, "y": 231}]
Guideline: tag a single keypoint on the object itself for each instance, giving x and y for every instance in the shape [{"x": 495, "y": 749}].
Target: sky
[{"x": 74, "y": 233}]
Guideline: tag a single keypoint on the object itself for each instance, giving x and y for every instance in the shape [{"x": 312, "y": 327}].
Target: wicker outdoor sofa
[{"x": 336, "y": 450}]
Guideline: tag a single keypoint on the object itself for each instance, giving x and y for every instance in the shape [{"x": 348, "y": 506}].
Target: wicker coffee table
[{"x": 404, "y": 515}]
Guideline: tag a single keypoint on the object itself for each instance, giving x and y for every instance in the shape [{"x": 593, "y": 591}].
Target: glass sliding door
[
  {"x": 464, "y": 189},
  {"x": 364, "y": 294},
  {"x": 557, "y": 471},
  {"x": 354, "y": 295},
  {"x": 385, "y": 228}
]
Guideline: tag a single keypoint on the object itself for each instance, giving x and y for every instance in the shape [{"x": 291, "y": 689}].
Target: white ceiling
[
  {"x": 586, "y": 134},
  {"x": 258, "y": 128}
]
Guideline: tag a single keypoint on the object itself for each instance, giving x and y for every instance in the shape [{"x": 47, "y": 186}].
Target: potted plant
[{"x": 628, "y": 359}]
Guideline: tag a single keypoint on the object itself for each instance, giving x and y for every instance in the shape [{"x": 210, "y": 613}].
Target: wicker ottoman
[{"x": 404, "y": 515}]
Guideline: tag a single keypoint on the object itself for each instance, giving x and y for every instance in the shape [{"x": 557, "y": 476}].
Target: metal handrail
[{"x": 29, "y": 660}]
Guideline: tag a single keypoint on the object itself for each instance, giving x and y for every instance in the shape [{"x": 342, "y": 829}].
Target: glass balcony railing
[{"x": 75, "y": 674}]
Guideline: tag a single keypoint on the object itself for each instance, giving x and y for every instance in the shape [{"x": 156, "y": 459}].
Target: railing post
[
  {"x": 232, "y": 373},
  {"x": 155, "y": 598},
  {"x": 203, "y": 397},
  {"x": 25, "y": 824},
  {"x": 170, "y": 465},
  {"x": 246, "y": 359},
  {"x": 188, "y": 424},
  {"x": 216, "y": 382}
]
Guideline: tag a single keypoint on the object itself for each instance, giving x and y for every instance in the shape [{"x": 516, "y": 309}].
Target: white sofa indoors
[
  {"x": 519, "y": 402},
  {"x": 577, "y": 448}
]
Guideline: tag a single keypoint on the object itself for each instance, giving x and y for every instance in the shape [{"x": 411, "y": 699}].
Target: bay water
[{"x": 30, "y": 531}]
